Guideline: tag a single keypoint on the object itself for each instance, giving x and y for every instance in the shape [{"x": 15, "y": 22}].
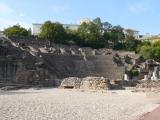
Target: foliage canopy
[{"x": 17, "y": 31}]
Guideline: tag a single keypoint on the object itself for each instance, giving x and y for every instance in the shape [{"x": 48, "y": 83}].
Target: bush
[
  {"x": 16, "y": 31},
  {"x": 133, "y": 72},
  {"x": 146, "y": 51},
  {"x": 53, "y": 32},
  {"x": 150, "y": 50}
]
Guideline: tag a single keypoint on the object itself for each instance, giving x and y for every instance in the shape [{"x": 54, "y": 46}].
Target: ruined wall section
[
  {"x": 34, "y": 62},
  {"x": 18, "y": 66},
  {"x": 63, "y": 66}
]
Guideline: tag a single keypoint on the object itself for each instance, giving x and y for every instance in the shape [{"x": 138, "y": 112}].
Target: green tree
[
  {"x": 90, "y": 34},
  {"x": 99, "y": 24},
  {"x": 146, "y": 51},
  {"x": 46, "y": 31},
  {"x": 53, "y": 32},
  {"x": 17, "y": 31},
  {"x": 107, "y": 38},
  {"x": 97, "y": 34},
  {"x": 29, "y": 31},
  {"x": 133, "y": 73},
  {"x": 156, "y": 50},
  {"x": 146, "y": 43},
  {"x": 156, "y": 53},
  {"x": 82, "y": 33},
  {"x": 117, "y": 37},
  {"x": 150, "y": 50},
  {"x": 59, "y": 33},
  {"x": 131, "y": 43},
  {"x": 72, "y": 37},
  {"x": 107, "y": 26}
]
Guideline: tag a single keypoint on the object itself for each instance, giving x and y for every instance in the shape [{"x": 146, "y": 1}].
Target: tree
[
  {"x": 146, "y": 51},
  {"x": 72, "y": 37},
  {"x": 98, "y": 23},
  {"x": 82, "y": 33},
  {"x": 53, "y": 32},
  {"x": 97, "y": 34},
  {"x": 117, "y": 37},
  {"x": 130, "y": 42},
  {"x": 17, "y": 31},
  {"x": 30, "y": 31},
  {"x": 133, "y": 73},
  {"x": 59, "y": 35},
  {"x": 107, "y": 38},
  {"x": 156, "y": 53},
  {"x": 91, "y": 35},
  {"x": 107, "y": 26},
  {"x": 46, "y": 31},
  {"x": 150, "y": 50}
]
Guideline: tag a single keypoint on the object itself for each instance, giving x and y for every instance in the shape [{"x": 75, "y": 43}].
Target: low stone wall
[
  {"x": 96, "y": 83},
  {"x": 93, "y": 83},
  {"x": 149, "y": 84},
  {"x": 71, "y": 82}
]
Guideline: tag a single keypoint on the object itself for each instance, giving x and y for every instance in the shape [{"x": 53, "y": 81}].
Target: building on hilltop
[
  {"x": 86, "y": 20},
  {"x": 135, "y": 33},
  {"x": 37, "y": 27},
  {"x": 70, "y": 26},
  {"x": 1, "y": 32}
]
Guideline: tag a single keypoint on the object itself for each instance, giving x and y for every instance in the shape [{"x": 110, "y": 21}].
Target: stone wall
[
  {"x": 75, "y": 66},
  {"x": 24, "y": 62},
  {"x": 8, "y": 69},
  {"x": 93, "y": 83}
]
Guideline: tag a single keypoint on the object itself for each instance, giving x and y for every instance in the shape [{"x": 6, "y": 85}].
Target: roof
[
  {"x": 37, "y": 24},
  {"x": 131, "y": 30},
  {"x": 62, "y": 24}
]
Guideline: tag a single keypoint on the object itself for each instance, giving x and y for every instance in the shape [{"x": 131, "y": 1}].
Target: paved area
[
  {"x": 154, "y": 115},
  {"x": 59, "y": 104}
]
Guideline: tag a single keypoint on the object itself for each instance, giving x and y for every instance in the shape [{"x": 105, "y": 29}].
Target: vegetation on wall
[
  {"x": 53, "y": 32},
  {"x": 133, "y": 73},
  {"x": 95, "y": 34},
  {"x": 150, "y": 50}
]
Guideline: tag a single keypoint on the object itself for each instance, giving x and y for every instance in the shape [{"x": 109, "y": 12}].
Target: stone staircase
[
  {"x": 76, "y": 66},
  {"x": 58, "y": 65}
]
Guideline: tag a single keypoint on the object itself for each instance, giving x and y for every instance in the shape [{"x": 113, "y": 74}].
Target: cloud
[
  {"x": 5, "y": 9},
  {"x": 138, "y": 8},
  {"x": 21, "y": 15},
  {"x": 60, "y": 9},
  {"x": 9, "y": 22},
  {"x": 25, "y": 24}
]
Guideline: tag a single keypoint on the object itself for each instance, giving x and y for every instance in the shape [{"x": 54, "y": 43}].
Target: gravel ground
[{"x": 59, "y": 104}]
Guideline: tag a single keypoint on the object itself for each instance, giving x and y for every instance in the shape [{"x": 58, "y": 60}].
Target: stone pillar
[
  {"x": 93, "y": 52},
  {"x": 126, "y": 77},
  {"x": 145, "y": 77},
  {"x": 154, "y": 76}
]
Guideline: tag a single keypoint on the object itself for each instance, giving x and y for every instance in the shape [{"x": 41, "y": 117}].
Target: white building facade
[
  {"x": 36, "y": 28},
  {"x": 135, "y": 33}
]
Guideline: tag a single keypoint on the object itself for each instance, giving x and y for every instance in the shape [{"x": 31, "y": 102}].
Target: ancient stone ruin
[
  {"x": 93, "y": 83},
  {"x": 71, "y": 83},
  {"x": 150, "y": 70},
  {"x": 34, "y": 62}
]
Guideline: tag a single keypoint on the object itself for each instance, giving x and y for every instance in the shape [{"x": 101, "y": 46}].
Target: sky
[{"x": 142, "y": 15}]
